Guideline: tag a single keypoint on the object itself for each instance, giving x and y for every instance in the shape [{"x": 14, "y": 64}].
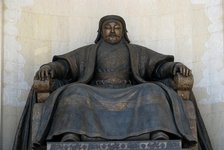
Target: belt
[
  {"x": 112, "y": 81},
  {"x": 113, "y": 75}
]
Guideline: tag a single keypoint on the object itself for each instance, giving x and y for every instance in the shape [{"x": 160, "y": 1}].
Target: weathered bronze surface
[{"x": 111, "y": 90}]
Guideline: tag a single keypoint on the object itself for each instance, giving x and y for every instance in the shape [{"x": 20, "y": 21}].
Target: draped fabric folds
[{"x": 84, "y": 109}]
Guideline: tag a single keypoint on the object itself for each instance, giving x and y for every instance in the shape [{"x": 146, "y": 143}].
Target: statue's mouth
[{"x": 113, "y": 36}]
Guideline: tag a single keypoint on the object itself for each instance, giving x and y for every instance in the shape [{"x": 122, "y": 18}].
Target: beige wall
[
  {"x": 192, "y": 30},
  {"x": 1, "y": 56}
]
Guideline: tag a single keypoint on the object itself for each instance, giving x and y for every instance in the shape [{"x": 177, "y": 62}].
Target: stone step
[{"x": 117, "y": 145}]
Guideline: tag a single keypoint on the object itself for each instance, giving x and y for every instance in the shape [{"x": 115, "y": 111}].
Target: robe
[{"x": 144, "y": 63}]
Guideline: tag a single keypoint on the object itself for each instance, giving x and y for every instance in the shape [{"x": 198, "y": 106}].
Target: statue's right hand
[{"x": 45, "y": 73}]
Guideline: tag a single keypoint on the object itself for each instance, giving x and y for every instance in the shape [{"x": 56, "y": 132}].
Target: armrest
[
  {"x": 43, "y": 89},
  {"x": 183, "y": 85}
]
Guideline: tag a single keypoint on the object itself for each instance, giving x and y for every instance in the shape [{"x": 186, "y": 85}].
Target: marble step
[{"x": 117, "y": 145}]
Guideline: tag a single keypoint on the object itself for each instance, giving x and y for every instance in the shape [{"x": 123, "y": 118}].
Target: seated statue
[{"x": 110, "y": 90}]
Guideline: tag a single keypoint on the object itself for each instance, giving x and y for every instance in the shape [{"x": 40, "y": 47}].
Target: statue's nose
[{"x": 112, "y": 30}]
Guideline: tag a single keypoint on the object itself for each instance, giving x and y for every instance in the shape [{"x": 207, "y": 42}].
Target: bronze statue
[{"x": 110, "y": 90}]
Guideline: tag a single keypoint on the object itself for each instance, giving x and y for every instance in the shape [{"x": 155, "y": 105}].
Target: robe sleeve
[
  {"x": 164, "y": 70},
  {"x": 70, "y": 64},
  {"x": 155, "y": 62},
  {"x": 60, "y": 67}
]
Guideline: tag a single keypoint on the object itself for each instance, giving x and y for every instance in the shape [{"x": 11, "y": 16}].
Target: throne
[{"x": 181, "y": 84}]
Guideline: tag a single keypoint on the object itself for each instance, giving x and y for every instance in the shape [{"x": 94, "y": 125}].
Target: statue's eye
[
  {"x": 107, "y": 27},
  {"x": 117, "y": 27}
]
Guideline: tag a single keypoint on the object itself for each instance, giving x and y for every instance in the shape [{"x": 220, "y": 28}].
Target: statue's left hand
[
  {"x": 45, "y": 72},
  {"x": 182, "y": 69}
]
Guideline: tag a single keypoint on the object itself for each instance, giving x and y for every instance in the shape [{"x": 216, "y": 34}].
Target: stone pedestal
[{"x": 117, "y": 145}]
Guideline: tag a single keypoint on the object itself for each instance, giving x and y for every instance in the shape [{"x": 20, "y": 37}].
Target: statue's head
[{"x": 112, "y": 29}]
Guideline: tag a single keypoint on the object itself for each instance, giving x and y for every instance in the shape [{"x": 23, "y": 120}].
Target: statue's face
[{"x": 112, "y": 31}]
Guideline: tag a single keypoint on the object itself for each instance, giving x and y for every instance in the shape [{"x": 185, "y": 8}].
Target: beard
[{"x": 113, "y": 37}]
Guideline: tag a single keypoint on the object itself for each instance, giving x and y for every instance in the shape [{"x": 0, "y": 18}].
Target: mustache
[{"x": 113, "y": 34}]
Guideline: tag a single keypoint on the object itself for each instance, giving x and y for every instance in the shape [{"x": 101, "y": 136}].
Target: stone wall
[
  {"x": 35, "y": 30},
  {"x": 1, "y": 62}
]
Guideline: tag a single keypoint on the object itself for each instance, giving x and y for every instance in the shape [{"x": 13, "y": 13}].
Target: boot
[
  {"x": 70, "y": 137},
  {"x": 159, "y": 135}
]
